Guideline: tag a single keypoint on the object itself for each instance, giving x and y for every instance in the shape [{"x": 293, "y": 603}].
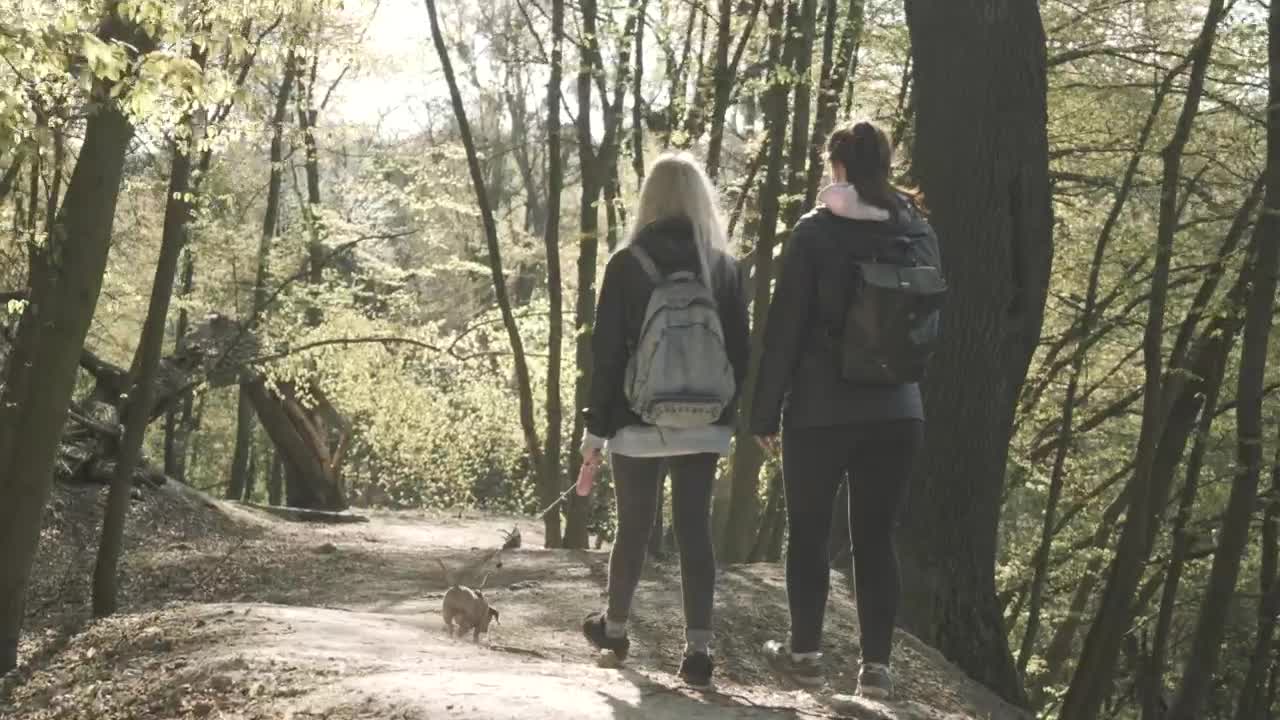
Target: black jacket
[
  {"x": 624, "y": 297},
  {"x": 801, "y": 363}
]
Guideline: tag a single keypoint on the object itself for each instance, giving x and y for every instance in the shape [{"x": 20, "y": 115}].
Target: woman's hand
[
  {"x": 592, "y": 457},
  {"x": 770, "y": 444}
]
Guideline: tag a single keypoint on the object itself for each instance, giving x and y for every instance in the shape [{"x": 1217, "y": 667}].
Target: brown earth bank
[{"x": 235, "y": 613}]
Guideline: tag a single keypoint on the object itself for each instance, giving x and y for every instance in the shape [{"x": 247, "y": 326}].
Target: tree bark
[
  {"x": 723, "y": 74},
  {"x": 1233, "y": 538},
  {"x": 598, "y": 165},
  {"x": 1153, "y": 685},
  {"x": 549, "y": 487},
  {"x": 742, "y": 502},
  {"x": 1096, "y": 667},
  {"x": 1253, "y": 702},
  {"x": 839, "y": 65},
  {"x": 270, "y": 228},
  {"x": 1066, "y": 427},
  {"x": 524, "y": 386},
  {"x": 136, "y": 411},
  {"x": 177, "y": 423},
  {"x": 638, "y": 106},
  {"x": 802, "y": 25},
  {"x": 275, "y": 484},
  {"x": 985, "y": 172},
  {"x": 308, "y": 114},
  {"x": 66, "y": 278}
]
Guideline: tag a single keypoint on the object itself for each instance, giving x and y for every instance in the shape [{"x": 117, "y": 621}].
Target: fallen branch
[{"x": 305, "y": 515}]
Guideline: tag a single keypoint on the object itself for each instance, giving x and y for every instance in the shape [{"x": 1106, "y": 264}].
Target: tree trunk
[
  {"x": 136, "y": 412},
  {"x": 1153, "y": 686},
  {"x": 1253, "y": 702},
  {"x": 270, "y": 227},
  {"x": 588, "y": 244},
  {"x": 839, "y": 65},
  {"x": 1233, "y": 538},
  {"x": 1096, "y": 667},
  {"x": 524, "y": 386},
  {"x": 802, "y": 25},
  {"x": 311, "y": 470},
  {"x": 255, "y": 467},
  {"x": 772, "y": 520},
  {"x": 723, "y": 75},
  {"x": 66, "y": 277},
  {"x": 308, "y": 114},
  {"x": 177, "y": 423},
  {"x": 742, "y": 502},
  {"x": 1066, "y": 428},
  {"x": 549, "y": 485},
  {"x": 637, "y": 99},
  {"x": 985, "y": 172},
  {"x": 597, "y": 166},
  {"x": 275, "y": 479}
]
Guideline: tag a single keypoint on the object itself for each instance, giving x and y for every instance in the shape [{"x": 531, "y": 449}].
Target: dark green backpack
[{"x": 890, "y": 326}]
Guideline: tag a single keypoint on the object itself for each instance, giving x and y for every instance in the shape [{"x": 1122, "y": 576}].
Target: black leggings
[
  {"x": 878, "y": 458},
  {"x": 637, "y": 483}
]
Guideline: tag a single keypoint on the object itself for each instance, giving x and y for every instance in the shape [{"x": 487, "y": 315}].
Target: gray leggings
[{"x": 636, "y": 482}]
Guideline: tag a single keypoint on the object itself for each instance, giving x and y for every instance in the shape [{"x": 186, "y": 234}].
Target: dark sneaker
[
  {"x": 875, "y": 682},
  {"x": 806, "y": 672},
  {"x": 696, "y": 669},
  {"x": 593, "y": 630}
]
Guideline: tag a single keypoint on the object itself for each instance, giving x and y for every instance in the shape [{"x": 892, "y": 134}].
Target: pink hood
[{"x": 842, "y": 199}]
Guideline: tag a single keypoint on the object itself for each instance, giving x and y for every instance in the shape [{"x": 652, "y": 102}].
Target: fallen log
[{"x": 333, "y": 517}]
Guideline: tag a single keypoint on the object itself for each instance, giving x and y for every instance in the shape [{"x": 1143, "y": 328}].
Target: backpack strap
[{"x": 646, "y": 262}]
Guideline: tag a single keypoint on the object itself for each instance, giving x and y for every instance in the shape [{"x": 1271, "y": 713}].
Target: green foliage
[{"x": 410, "y": 348}]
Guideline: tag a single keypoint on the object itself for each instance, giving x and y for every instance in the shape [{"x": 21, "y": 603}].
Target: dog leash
[{"x": 563, "y": 496}]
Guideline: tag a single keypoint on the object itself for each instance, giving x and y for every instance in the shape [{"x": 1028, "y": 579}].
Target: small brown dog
[{"x": 466, "y": 610}]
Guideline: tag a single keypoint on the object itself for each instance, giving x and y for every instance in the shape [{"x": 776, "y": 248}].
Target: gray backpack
[{"x": 679, "y": 375}]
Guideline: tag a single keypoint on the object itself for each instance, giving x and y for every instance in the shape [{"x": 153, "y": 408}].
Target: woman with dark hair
[{"x": 833, "y": 426}]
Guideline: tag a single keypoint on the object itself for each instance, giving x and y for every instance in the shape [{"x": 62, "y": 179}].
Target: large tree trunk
[
  {"x": 270, "y": 227},
  {"x": 549, "y": 487},
  {"x": 66, "y": 277},
  {"x": 984, "y": 169},
  {"x": 742, "y": 503},
  {"x": 524, "y": 386},
  {"x": 1096, "y": 667},
  {"x": 1233, "y": 537},
  {"x": 310, "y": 467},
  {"x": 137, "y": 410}
]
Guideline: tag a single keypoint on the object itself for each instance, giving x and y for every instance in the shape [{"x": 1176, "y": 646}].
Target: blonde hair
[{"x": 676, "y": 186}]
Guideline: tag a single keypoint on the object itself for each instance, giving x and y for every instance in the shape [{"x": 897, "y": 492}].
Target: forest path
[{"x": 304, "y": 621}]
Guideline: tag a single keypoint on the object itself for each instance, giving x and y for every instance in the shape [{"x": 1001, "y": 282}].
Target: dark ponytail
[{"x": 866, "y": 154}]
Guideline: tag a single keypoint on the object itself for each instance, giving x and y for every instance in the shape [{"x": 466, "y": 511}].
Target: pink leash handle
[{"x": 587, "y": 478}]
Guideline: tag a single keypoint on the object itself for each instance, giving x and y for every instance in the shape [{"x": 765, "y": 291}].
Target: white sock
[
  {"x": 806, "y": 656},
  {"x": 698, "y": 641}
]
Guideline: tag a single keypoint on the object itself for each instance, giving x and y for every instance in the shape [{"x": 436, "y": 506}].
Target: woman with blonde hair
[{"x": 669, "y": 355}]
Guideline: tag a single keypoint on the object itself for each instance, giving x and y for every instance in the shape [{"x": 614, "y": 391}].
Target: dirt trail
[{"x": 359, "y": 635}]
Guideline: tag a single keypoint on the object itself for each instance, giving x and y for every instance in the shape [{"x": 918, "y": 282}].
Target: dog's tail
[{"x": 445, "y": 570}]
